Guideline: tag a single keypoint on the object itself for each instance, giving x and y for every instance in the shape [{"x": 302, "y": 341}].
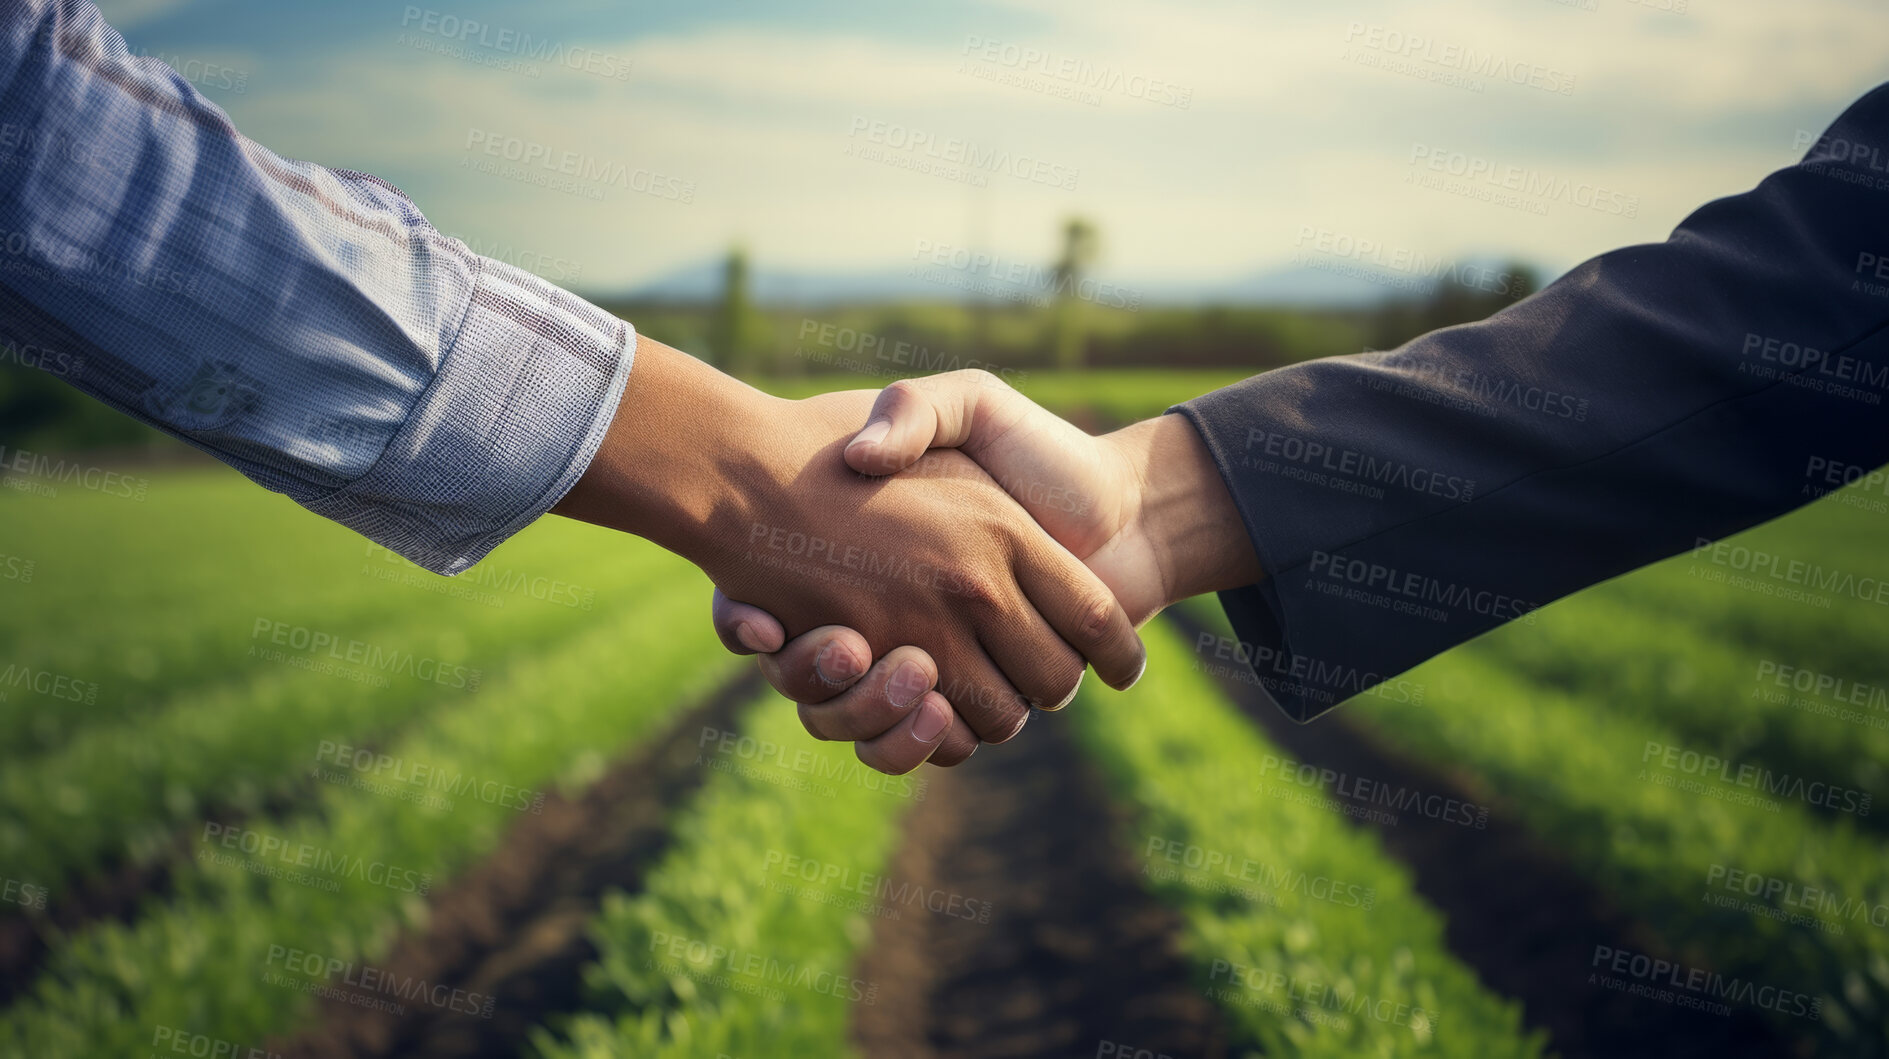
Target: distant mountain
[{"x": 1287, "y": 284}]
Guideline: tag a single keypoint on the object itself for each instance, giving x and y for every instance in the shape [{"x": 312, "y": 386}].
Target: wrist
[
  {"x": 671, "y": 468},
  {"x": 1197, "y": 539}
]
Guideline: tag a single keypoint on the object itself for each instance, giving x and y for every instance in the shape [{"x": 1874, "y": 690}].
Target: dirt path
[
  {"x": 1074, "y": 953},
  {"x": 1520, "y": 915},
  {"x": 512, "y": 928}
]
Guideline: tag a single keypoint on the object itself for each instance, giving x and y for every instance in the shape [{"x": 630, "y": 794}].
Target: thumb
[{"x": 914, "y": 415}]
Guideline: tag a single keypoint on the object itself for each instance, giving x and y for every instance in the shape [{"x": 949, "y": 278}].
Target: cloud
[{"x": 1294, "y": 118}]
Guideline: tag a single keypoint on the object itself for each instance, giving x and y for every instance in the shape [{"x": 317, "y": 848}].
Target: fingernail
[
  {"x": 907, "y": 684},
  {"x": 835, "y": 665},
  {"x": 930, "y": 723},
  {"x": 750, "y": 639},
  {"x": 874, "y": 433},
  {"x": 1136, "y": 679}
]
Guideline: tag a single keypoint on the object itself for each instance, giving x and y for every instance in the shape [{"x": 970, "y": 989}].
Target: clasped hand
[{"x": 1143, "y": 509}]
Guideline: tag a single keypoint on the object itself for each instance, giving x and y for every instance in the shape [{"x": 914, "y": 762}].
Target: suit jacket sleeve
[{"x": 1651, "y": 401}]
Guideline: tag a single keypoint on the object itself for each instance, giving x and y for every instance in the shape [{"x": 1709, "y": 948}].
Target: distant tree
[
  {"x": 1471, "y": 295},
  {"x": 734, "y": 334},
  {"x": 1081, "y": 246}
]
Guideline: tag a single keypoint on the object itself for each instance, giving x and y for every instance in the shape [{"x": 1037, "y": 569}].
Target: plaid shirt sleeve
[{"x": 305, "y": 325}]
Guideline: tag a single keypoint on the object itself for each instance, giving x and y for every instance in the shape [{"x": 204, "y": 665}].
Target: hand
[
  {"x": 753, "y": 490},
  {"x": 1144, "y": 507}
]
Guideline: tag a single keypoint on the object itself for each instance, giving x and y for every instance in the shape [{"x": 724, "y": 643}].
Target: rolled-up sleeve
[{"x": 305, "y": 325}]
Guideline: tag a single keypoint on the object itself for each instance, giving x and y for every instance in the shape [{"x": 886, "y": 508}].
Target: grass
[
  {"x": 238, "y": 722},
  {"x": 745, "y": 939},
  {"x": 343, "y": 876},
  {"x": 1310, "y": 938}
]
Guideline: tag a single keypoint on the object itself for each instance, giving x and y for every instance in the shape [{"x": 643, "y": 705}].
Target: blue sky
[{"x": 855, "y": 137}]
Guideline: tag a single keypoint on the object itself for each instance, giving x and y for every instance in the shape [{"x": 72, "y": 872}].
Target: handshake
[{"x": 921, "y": 568}]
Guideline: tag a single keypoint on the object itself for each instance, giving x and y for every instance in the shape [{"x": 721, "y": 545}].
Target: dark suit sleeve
[{"x": 1651, "y": 401}]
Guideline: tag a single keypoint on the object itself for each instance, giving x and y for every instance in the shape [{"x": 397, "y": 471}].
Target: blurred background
[{"x": 337, "y": 805}]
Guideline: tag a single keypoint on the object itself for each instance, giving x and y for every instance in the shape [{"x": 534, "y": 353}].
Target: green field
[{"x": 292, "y": 739}]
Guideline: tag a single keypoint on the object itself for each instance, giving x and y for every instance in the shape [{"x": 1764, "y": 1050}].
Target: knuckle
[
  {"x": 980, "y": 590},
  {"x": 1095, "y": 617},
  {"x": 899, "y": 390},
  {"x": 981, "y": 377}
]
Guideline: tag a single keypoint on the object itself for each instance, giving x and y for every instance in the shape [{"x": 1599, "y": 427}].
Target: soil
[
  {"x": 1520, "y": 915},
  {"x": 1075, "y": 954},
  {"x": 512, "y": 928}
]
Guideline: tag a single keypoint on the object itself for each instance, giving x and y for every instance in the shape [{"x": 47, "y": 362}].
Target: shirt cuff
[{"x": 518, "y": 408}]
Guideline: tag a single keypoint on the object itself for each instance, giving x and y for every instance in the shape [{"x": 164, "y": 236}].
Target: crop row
[
  {"x": 1726, "y": 859},
  {"x": 293, "y": 690},
  {"x": 1300, "y": 927},
  {"x": 266, "y": 913},
  {"x": 746, "y": 937}
]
